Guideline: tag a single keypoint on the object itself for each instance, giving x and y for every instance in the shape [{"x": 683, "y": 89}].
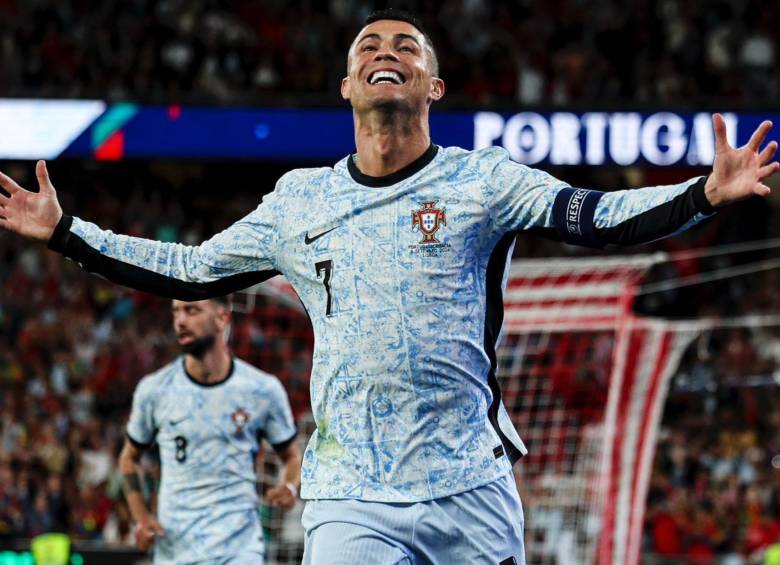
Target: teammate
[
  {"x": 207, "y": 412},
  {"x": 399, "y": 253}
]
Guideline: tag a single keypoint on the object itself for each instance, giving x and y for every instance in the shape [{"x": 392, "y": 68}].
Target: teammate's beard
[{"x": 199, "y": 347}]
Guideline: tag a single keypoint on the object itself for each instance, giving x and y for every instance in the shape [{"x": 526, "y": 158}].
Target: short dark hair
[
  {"x": 225, "y": 301},
  {"x": 404, "y": 16}
]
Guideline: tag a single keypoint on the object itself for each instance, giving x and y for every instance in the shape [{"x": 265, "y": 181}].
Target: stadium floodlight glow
[{"x": 43, "y": 129}]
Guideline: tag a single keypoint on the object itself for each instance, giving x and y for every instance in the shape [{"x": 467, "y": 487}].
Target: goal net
[{"x": 583, "y": 379}]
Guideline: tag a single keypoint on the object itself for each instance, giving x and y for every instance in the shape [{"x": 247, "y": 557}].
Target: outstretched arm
[
  {"x": 637, "y": 216},
  {"x": 240, "y": 256},
  {"x": 529, "y": 199}
]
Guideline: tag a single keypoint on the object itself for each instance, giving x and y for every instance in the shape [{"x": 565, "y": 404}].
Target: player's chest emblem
[
  {"x": 240, "y": 418},
  {"x": 428, "y": 220}
]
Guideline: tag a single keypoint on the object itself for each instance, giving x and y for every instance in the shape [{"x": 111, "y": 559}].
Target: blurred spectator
[
  {"x": 531, "y": 52},
  {"x": 715, "y": 486}
]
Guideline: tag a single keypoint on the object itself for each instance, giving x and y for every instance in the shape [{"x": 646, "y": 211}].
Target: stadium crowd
[
  {"x": 715, "y": 486},
  {"x": 532, "y": 52},
  {"x": 74, "y": 346}
]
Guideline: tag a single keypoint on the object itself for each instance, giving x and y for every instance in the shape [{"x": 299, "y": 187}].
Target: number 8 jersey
[
  {"x": 402, "y": 277},
  {"x": 209, "y": 436}
]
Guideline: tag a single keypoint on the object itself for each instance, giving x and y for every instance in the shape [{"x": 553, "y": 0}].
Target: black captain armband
[{"x": 573, "y": 212}]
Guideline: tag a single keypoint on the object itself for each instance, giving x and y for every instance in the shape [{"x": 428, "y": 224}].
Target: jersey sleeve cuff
[
  {"x": 700, "y": 198},
  {"x": 138, "y": 444},
  {"x": 279, "y": 447},
  {"x": 59, "y": 238}
]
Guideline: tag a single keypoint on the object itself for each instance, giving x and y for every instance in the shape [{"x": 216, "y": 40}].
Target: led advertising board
[{"x": 47, "y": 129}]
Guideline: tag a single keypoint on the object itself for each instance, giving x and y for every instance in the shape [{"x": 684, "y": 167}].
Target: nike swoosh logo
[
  {"x": 177, "y": 422},
  {"x": 309, "y": 240}
]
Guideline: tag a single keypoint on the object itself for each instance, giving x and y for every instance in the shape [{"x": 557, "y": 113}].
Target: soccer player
[
  {"x": 207, "y": 412},
  {"x": 399, "y": 253}
]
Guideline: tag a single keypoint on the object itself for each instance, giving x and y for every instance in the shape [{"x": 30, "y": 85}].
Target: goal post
[{"x": 584, "y": 381}]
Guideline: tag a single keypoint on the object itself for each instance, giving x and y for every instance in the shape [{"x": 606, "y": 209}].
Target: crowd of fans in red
[
  {"x": 715, "y": 486},
  {"x": 553, "y": 52}
]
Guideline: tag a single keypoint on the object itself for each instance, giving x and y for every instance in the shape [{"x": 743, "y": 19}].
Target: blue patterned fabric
[
  {"x": 208, "y": 438},
  {"x": 403, "y": 285}
]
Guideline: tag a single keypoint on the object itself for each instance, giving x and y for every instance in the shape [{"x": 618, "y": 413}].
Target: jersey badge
[
  {"x": 429, "y": 220},
  {"x": 240, "y": 418}
]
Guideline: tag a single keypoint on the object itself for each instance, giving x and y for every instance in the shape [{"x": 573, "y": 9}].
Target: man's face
[
  {"x": 390, "y": 63},
  {"x": 198, "y": 324}
]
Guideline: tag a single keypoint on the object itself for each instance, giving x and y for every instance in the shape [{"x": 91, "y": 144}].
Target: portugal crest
[
  {"x": 429, "y": 219},
  {"x": 240, "y": 418}
]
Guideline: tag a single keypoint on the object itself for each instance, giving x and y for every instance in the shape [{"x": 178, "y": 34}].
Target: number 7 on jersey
[{"x": 326, "y": 269}]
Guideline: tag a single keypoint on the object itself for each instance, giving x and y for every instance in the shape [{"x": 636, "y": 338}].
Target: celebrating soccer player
[
  {"x": 207, "y": 411},
  {"x": 399, "y": 253}
]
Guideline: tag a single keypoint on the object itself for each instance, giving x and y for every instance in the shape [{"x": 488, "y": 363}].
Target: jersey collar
[
  {"x": 393, "y": 178},
  {"x": 194, "y": 381}
]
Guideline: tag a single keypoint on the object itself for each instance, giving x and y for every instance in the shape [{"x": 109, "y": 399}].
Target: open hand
[
  {"x": 30, "y": 214},
  {"x": 739, "y": 173}
]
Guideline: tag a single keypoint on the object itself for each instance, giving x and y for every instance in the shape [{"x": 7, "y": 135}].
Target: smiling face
[{"x": 391, "y": 63}]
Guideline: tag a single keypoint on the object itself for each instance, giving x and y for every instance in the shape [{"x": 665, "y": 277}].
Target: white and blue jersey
[
  {"x": 208, "y": 437},
  {"x": 402, "y": 277}
]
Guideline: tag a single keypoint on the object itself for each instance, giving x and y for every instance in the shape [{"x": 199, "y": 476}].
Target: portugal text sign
[{"x": 46, "y": 129}]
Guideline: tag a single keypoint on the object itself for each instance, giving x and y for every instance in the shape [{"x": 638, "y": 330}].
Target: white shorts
[{"x": 483, "y": 525}]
